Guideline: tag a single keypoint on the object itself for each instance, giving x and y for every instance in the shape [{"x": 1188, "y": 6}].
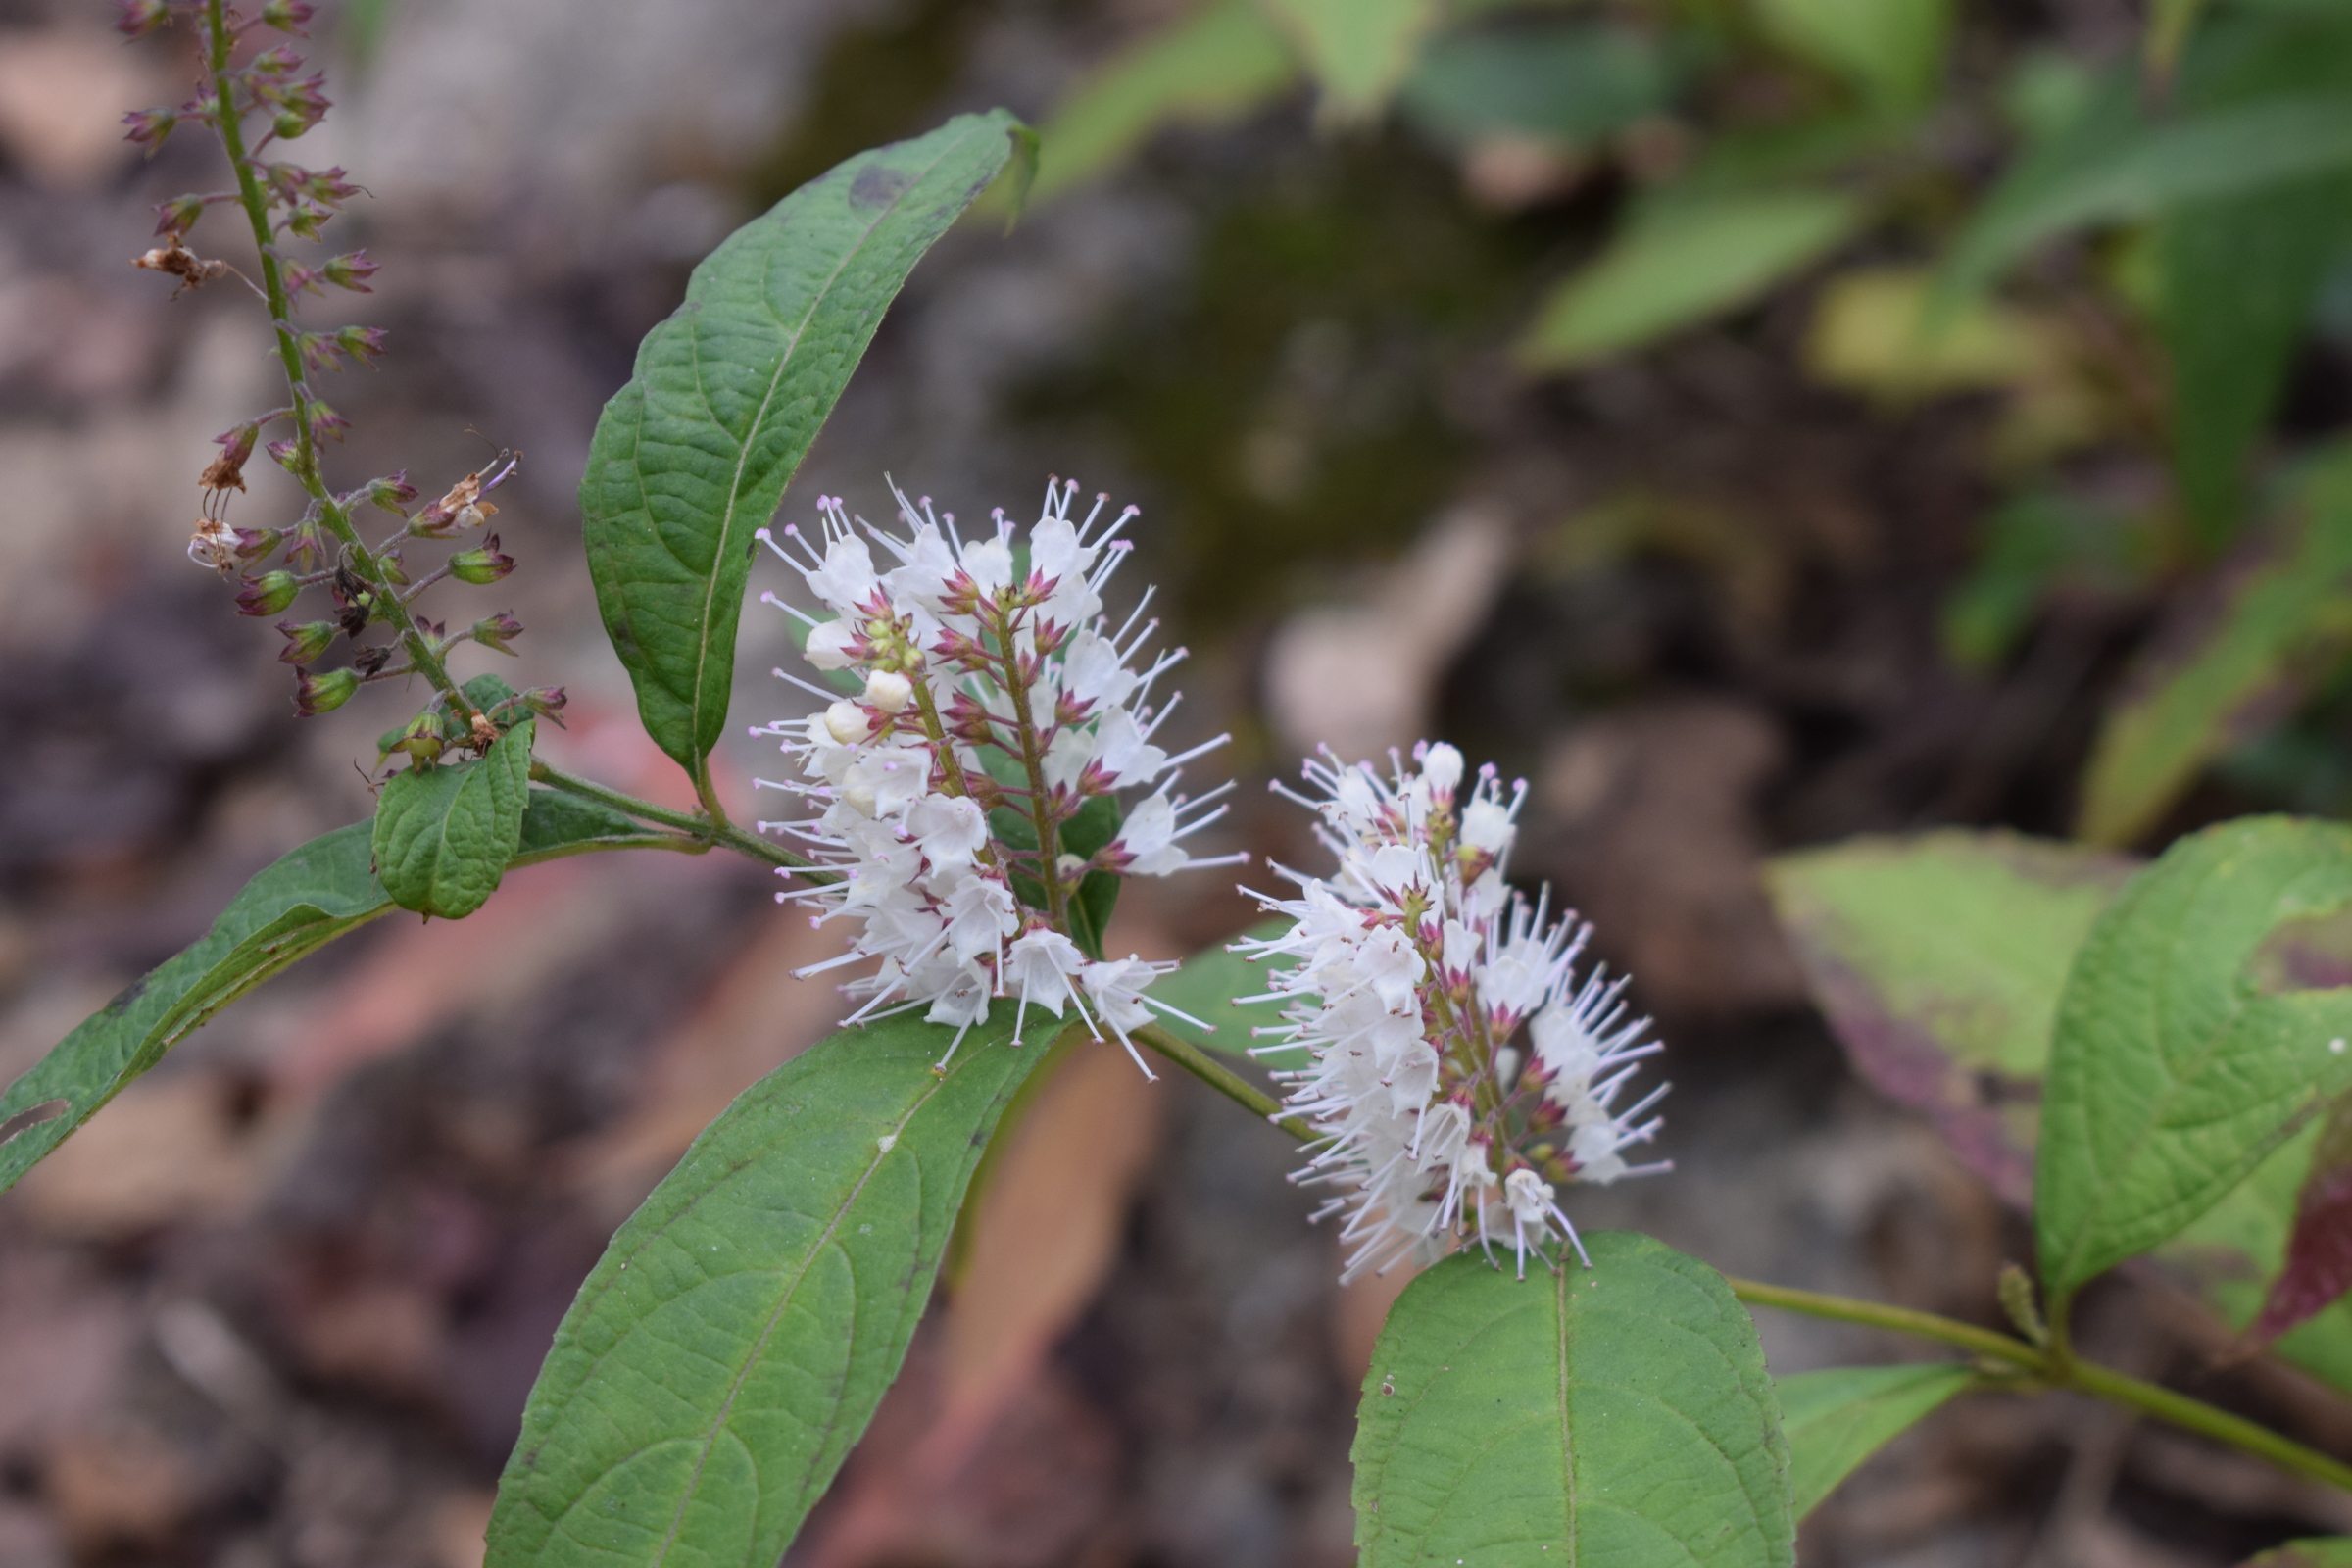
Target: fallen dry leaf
[
  {"x": 1358, "y": 678},
  {"x": 164, "y": 1150}
]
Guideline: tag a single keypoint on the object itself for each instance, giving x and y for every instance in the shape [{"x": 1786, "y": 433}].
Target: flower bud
[
  {"x": 484, "y": 565},
  {"x": 267, "y": 594},
  {"x": 887, "y": 690},
  {"x": 847, "y": 723},
  {"x": 307, "y": 219},
  {"x": 304, "y": 641},
  {"x": 288, "y": 16},
  {"x": 421, "y": 740},
  {"x": 177, "y": 216},
  {"x": 292, "y": 181},
  {"x": 282, "y": 452},
  {"x": 546, "y": 700},
  {"x": 148, "y": 127},
  {"x": 322, "y": 694},
  {"x": 324, "y": 423},
  {"x": 363, "y": 344},
  {"x": 136, "y": 18},
  {"x": 278, "y": 60},
  {"x": 496, "y": 631},
  {"x": 350, "y": 271}
]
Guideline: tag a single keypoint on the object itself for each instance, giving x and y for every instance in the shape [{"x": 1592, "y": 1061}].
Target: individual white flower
[
  {"x": 1460, "y": 1074},
  {"x": 978, "y": 695}
]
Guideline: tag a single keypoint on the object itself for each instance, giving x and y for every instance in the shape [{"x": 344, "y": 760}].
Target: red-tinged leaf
[
  {"x": 2318, "y": 1251},
  {"x": 1938, "y": 960}
]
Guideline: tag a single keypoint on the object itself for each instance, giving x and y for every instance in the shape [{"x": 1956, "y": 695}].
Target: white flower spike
[
  {"x": 1459, "y": 1072},
  {"x": 990, "y": 691}
]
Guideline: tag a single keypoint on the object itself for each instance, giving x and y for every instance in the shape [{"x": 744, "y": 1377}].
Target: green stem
[
  {"x": 1223, "y": 1079},
  {"x": 702, "y": 830},
  {"x": 228, "y": 121},
  {"x": 2060, "y": 1370}
]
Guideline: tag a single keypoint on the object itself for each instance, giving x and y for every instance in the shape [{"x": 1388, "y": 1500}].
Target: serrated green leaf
[
  {"x": 2283, "y": 612},
  {"x": 1938, "y": 960},
  {"x": 730, "y": 1347},
  {"x": 1681, "y": 263},
  {"x": 691, "y": 456},
  {"x": 1835, "y": 1420},
  {"x": 2174, "y": 1073},
  {"x": 1615, "y": 1414},
  {"x": 445, "y": 837},
  {"x": 1892, "y": 49},
  {"x": 1358, "y": 50},
  {"x": 1208, "y": 69},
  {"x": 299, "y": 902}
]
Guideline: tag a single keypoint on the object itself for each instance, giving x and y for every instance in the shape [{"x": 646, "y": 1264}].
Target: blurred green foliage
[
  {"x": 2127, "y": 254},
  {"x": 2123, "y": 254}
]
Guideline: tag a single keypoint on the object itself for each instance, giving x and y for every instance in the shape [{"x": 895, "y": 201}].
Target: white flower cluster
[
  {"x": 1460, "y": 1073},
  {"x": 963, "y": 794}
]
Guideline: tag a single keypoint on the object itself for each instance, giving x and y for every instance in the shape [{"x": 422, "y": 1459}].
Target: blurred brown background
[{"x": 282, "y": 1301}]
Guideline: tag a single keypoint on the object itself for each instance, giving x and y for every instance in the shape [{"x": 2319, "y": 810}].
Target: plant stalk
[
  {"x": 701, "y": 828},
  {"x": 1223, "y": 1079},
  {"x": 2064, "y": 1371},
  {"x": 229, "y": 123}
]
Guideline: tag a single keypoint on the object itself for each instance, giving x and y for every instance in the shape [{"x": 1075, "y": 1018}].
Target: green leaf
[
  {"x": 732, "y": 1343},
  {"x": 1571, "y": 84},
  {"x": 1208, "y": 69},
  {"x": 297, "y": 904},
  {"x": 1681, "y": 263},
  {"x": 1615, "y": 1414},
  {"x": 1358, "y": 50},
  {"x": 1835, "y": 1420},
  {"x": 2237, "y": 278},
  {"x": 2032, "y": 543},
  {"x": 691, "y": 456},
  {"x": 2174, "y": 1072},
  {"x": 2283, "y": 613},
  {"x": 1938, "y": 960},
  {"x": 301, "y": 901},
  {"x": 2169, "y": 25},
  {"x": 444, "y": 837},
  {"x": 1892, "y": 49},
  {"x": 1205, "y": 986},
  {"x": 2109, "y": 167},
  {"x": 2320, "y": 1552}
]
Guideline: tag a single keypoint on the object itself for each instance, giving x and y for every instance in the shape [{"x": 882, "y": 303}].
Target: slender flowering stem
[
  {"x": 228, "y": 121},
  {"x": 701, "y": 829},
  {"x": 1223, "y": 1079},
  {"x": 1033, "y": 761}
]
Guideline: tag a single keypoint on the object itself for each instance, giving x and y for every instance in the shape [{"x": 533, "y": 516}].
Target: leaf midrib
[
  {"x": 743, "y": 456},
  {"x": 718, "y": 1421}
]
